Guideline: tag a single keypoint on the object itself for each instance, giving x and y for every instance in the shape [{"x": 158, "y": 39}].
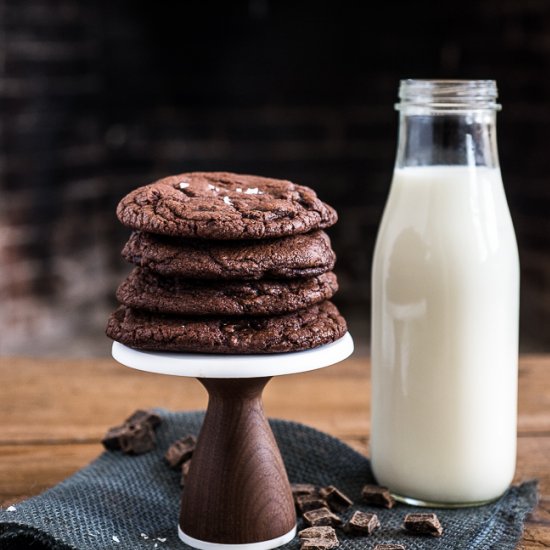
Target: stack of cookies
[{"x": 226, "y": 263}]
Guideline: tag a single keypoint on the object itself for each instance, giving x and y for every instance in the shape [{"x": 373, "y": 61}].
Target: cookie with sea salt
[{"x": 222, "y": 205}]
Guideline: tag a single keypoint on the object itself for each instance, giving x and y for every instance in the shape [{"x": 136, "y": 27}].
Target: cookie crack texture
[
  {"x": 311, "y": 327},
  {"x": 305, "y": 255},
  {"x": 220, "y": 205},
  {"x": 144, "y": 289}
]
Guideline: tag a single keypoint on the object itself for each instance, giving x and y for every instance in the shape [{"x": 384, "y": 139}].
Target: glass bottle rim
[{"x": 442, "y": 95}]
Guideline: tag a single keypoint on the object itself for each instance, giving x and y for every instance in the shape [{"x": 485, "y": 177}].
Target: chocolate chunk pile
[
  {"x": 136, "y": 436},
  {"x": 320, "y": 506},
  {"x": 226, "y": 263}
]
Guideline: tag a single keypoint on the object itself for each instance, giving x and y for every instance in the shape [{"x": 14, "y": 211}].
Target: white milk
[{"x": 444, "y": 336}]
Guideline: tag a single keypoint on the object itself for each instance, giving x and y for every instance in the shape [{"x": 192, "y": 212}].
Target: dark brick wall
[{"x": 99, "y": 97}]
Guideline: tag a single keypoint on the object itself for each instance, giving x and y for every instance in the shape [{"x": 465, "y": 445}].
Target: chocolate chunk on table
[
  {"x": 423, "y": 524},
  {"x": 185, "y": 472},
  {"x": 299, "y": 489},
  {"x": 322, "y": 516},
  {"x": 135, "y": 436},
  {"x": 362, "y": 523},
  {"x": 305, "y": 503},
  {"x": 389, "y": 547},
  {"x": 322, "y": 537},
  {"x": 336, "y": 500},
  {"x": 180, "y": 451},
  {"x": 377, "y": 496}
]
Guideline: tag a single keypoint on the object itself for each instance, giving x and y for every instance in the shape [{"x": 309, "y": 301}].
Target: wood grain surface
[
  {"x": 53, "y": 413},
  {"x": 237, "y": 491}
]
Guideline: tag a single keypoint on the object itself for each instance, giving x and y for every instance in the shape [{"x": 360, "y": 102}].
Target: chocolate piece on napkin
[
  {"x": 299, "y": 489},
  {"x": 318, "y": 538},
  {"x": 362, "y": 523},
  {"x": 180, "y": 451},
  {"x": 423, "y": 524},
  {"x": 135, "y": 436},
  {"x": 377, "y": 496},
  {"x": 336, "y": 500},
  {"x": 185, "y": 472},
  {"x": 305, "y": 503},
  {"x": 322, "y": 516}
]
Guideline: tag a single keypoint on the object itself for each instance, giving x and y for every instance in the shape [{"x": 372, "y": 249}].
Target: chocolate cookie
[
  {"x": 144, "y": 289},
  {"x": 308, "y": 328},
  {"x": 289, "y": 257},
  {"x": 221, "y": 205}
]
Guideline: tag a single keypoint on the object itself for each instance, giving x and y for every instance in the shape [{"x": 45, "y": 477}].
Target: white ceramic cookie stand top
[{"x": 242, "y": 378}]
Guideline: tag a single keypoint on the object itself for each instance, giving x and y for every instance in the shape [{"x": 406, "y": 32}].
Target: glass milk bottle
[{"x": 445, "y": 304}]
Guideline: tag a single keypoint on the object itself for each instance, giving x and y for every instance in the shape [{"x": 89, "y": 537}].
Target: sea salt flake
[
  {"x": 156, "y": 545},
  {"x": 144, "y": 536},
  {"x": 227, "y": 200},
  {"x": 116, "y": 539},
  {"x": 183, "y": 185},
  {"x": 239, "y": 190},
  {"x": 11, "y": 509},
  {"x": 253, "y": 191},
  {"x": 210, "y": 186},
  {"x": 161, "y": 539}
]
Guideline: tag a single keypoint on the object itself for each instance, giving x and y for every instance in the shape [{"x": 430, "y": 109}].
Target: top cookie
[{"x": 221, "y": 205}]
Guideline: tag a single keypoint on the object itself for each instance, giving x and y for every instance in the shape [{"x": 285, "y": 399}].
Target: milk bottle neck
[{"x": 450, "y": 123}]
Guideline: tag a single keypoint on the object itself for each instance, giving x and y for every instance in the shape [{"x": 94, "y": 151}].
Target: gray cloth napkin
[{"x": 132, "y": 502}]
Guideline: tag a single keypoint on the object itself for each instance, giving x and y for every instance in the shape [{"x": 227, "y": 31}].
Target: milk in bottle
[{"x": 445, "y": 303}]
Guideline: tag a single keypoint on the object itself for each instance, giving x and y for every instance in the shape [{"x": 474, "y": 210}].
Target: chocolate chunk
[
  {"x": 322, "y": 516},
  {"x": 144, "y": 417},
  {"x": 305, "y": 503},
  {"x": 323, "y": 531},
  {"x": 336, "y": 500},
  {"x": 185, "y": 472},
  {"x": 362, "y": 523},
  {"x": 389, "y": 547},
  {"x": 423, "y": 524},
  {"x": 111, "y": 440},
  {"x": 180, "y": 451},
  {"x": 135, "y": 436},
  {"x": 138, "y": 439},
  {"x": 321, "y": 537},
  {"x": 299, "y": 489},
  {"x": 377, "y": 496}
]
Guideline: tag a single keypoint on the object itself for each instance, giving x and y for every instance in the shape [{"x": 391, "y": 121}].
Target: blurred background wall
[{"x": 101, "y": 96}]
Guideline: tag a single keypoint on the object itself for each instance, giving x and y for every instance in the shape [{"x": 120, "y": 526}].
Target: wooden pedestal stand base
[{"x": 237, "y": 495}]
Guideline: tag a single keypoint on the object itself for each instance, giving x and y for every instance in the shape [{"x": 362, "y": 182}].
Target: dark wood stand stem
[{"x": 237, "y": 490}]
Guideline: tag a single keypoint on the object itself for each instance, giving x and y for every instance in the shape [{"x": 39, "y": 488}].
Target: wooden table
[{"x": 53, "y": 413}]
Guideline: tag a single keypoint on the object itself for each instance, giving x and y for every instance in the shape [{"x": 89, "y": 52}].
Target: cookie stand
[{"x": 237, "y": 495}]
